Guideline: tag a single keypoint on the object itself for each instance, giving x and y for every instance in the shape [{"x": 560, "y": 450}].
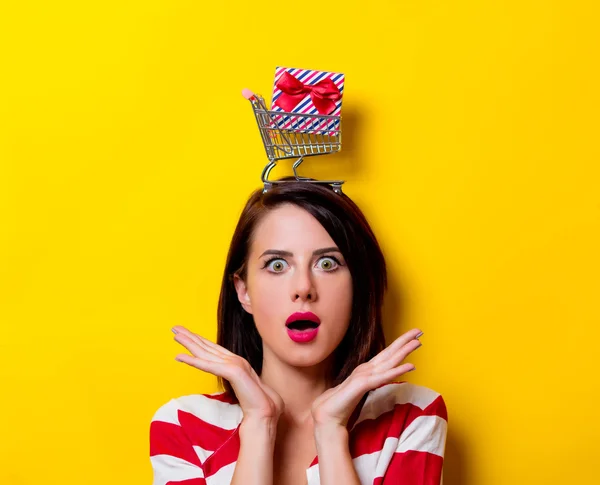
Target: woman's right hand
[{"x": 257, "y": 400}]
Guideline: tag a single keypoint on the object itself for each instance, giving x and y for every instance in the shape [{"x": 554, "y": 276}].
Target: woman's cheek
[{"x": 266, "y": 304}]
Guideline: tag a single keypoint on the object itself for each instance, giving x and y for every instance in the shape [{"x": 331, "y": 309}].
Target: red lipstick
[
  {"x": 309, "y": 316},
  {"x": 303, "y": 327}
]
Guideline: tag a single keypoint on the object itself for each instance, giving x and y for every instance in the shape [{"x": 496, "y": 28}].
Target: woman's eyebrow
[{"x": 280, "y": 252}]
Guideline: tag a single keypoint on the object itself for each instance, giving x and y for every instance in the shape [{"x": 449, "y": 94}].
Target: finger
[
  {"x": 215, "y": 348},
  {"x": 395, "y": 345},
  {"x": 401, "y": 354},
  {"x": 198, "y": 339},
  {"x": 179, "y": 330},
  {"x": 392, "y": 374},
  {"x": 202, "y": 342},
  {"x": 199, "y": 363},
  {"x": 217, "y": 367},
  {"x": 197, "y": 350}
]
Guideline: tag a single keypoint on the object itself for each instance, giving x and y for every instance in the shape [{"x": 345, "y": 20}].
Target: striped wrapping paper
[{"x": 305, "y": 106}]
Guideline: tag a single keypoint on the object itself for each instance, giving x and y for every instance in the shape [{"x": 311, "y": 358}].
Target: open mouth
[{"x": 302, "y": 325}]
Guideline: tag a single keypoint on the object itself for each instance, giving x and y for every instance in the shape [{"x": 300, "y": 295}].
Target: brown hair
[{"x": 349, "y": 229}]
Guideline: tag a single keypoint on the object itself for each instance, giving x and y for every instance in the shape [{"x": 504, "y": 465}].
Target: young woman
[{"x": 309, "y": 393}]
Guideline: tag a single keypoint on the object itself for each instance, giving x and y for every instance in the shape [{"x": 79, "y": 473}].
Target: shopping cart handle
[{"x": 247, "y": 93}]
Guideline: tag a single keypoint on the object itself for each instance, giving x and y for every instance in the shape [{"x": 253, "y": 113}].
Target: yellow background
[{"x": 127, "y": 152}]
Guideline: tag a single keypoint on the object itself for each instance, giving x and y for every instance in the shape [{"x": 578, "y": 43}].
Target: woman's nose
[{"x": 303, "y": 287}]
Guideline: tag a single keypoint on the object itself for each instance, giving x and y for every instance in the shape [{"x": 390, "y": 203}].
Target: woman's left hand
[{"x": 335, "y": 406}]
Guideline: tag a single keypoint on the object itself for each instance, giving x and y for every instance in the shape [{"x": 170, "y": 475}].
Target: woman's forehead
[{"x": 289, "y": 227}]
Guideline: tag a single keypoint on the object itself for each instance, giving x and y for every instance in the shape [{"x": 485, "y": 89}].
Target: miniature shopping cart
[{"x": 293, "y": 135}]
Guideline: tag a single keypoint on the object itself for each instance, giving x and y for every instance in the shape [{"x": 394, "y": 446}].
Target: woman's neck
[{"x": 297, "y": 386}]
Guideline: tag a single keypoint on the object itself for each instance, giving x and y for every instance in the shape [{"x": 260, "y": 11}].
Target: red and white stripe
[{"x": 398, "y": 437}]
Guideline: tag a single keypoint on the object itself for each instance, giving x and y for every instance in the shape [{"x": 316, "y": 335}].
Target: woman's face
[{"x": 294, "y": 266}]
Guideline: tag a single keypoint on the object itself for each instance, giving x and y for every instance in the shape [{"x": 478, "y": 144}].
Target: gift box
[{"x": 305, "y": 93}]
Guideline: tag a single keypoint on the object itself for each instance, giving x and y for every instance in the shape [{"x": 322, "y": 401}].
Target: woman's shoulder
[
  {"x": 411, "y": 400},
  {"x": 217, "y": 409},
  {"x": 185, "y": 431}
]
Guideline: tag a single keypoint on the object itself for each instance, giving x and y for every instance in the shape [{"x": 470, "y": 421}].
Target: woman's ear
[{"x": 242, "y": 293}]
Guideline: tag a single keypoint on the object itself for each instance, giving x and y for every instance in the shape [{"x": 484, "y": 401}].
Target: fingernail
[
  {"x": 174, "y": 331},
  {"x": 412, "y": 369},
  {"x": 419, "y": 335}
]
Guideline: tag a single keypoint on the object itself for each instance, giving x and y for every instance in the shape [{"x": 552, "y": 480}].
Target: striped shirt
[{"x": 397, "y": 435}]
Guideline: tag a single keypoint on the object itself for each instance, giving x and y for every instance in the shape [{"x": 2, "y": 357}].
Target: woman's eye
[
  {"x": 276, "y": 265},
  {"x": 328, "y": 263}
]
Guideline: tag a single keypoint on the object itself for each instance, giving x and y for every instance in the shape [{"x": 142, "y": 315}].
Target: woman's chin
[{"x": 305, "y": 356}]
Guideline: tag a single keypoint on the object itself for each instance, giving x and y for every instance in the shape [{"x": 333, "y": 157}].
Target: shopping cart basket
[{"x": 295, "y": 135}]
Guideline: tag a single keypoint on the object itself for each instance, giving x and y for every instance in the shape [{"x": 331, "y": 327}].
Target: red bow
[{"x": 324, "y": 94}]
